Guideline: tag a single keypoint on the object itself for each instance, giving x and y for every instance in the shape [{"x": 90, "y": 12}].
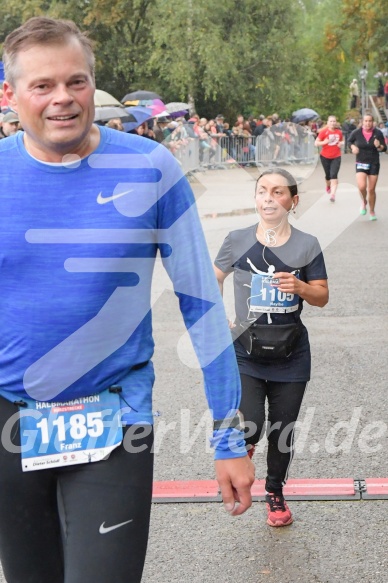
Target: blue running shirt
[{"x": 78, "y": 244}]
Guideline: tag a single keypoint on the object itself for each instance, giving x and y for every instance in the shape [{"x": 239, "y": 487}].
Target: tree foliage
[
  {"x": 256, "y": 56},
  {"x": 229, "y": 55},
  {"x": 327, "y": 70},
  {"x": 119, "y": 28},
  {"x": 362, "y": 31}
]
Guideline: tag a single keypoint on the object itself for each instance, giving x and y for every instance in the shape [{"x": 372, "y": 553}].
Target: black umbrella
[
  {"x": 140, "y": 95},
  {"x": 304, "y": 114}
]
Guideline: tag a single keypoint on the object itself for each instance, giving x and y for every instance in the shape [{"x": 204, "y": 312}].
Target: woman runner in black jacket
[{"x": 367, "y": 142}]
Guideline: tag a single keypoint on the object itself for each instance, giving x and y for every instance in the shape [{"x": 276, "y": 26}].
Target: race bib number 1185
[{"x": 79, "y": 431}]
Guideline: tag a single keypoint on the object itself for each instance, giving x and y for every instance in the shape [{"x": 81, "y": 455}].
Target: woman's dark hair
[{"x": 291, "y": 182}]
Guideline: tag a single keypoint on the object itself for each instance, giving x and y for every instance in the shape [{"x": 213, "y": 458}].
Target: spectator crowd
[{"x": 282, "y": 140}]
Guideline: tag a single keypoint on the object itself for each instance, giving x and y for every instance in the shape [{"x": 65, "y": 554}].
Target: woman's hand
[
  {"x": 355, "y": 149},
  {"x": 376, "y": 143},
  {"x": 315, "y": 292},
  {"x": 288, "y": 283}
]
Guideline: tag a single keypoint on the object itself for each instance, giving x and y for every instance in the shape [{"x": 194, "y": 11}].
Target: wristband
[{"x": 233, "y": 422}]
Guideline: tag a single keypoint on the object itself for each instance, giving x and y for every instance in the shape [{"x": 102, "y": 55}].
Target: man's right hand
[{"x": 235, "y": 477}]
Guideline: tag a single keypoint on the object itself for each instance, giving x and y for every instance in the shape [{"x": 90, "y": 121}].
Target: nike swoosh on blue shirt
[{"x": 103, "y": 200}]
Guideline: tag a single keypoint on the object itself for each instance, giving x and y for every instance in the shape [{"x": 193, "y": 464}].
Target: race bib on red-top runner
[
  {"x": 266, "y": 298},
  {"x": 333, "y": 140},
  {"x": 83, "y": 430}
]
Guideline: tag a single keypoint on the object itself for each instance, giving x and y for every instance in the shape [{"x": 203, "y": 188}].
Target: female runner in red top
[{"x": 331, "y": 140}]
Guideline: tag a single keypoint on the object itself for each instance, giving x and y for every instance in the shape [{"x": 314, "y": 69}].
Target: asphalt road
[
  {"x": 345, "y": 406},
  {"x": 344, "y": 414}
]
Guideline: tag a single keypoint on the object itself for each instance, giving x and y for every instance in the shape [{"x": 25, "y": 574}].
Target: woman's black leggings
[
  {"x": 331, "y": 167},
  {"x": 80, "y": 524},
  {"x": 284, "y": 402}
]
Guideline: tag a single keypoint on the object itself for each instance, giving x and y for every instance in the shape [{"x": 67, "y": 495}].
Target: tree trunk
[{"x": 191, "y": 99}]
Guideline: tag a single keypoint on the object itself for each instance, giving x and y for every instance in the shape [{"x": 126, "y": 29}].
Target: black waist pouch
[{"x": 271, "y": 341}]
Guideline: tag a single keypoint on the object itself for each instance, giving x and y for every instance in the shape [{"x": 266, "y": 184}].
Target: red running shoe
[{"x": 278, "y": 512}]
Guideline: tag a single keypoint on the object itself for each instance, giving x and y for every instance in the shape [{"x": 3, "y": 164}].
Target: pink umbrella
[{"x": 156, "y": 105}]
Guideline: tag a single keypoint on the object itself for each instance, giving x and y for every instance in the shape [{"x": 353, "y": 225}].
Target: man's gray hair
[{"x": 41, "y": 30}]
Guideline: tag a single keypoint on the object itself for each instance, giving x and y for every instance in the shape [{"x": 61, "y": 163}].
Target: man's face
[
  {"x": 10, "y": 128},
  {"x": 53, "y": 95}
]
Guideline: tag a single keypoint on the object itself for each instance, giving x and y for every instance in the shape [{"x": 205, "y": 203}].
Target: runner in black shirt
[
  {"x": 275, "y": 269},
  {"x": 367, "y": 142}
]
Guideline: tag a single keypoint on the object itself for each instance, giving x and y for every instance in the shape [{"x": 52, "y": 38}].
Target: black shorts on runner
[{"x": 370, "y": 169}]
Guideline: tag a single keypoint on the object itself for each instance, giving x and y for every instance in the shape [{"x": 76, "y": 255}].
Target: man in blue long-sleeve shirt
[{"x": 84, "y": 212}]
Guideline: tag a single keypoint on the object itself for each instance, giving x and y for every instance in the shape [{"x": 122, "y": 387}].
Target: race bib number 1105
[{"x": 267, "y": 298}]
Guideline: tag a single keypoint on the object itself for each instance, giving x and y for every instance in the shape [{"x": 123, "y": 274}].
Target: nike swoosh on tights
[
  {"x": 103, "y": 200},
  {"x": 104, "y": 529}
]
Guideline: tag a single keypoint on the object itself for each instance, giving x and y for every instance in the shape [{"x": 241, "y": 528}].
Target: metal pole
[
  {"x": 362, "y": 98},
  {"x": 364, "y": 94}
]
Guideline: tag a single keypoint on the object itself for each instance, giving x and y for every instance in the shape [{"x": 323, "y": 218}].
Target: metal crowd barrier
[
  {"x": 187, "y": 155},
  {"x": 195, "y": 154},
  {"x": 298, "y": 149}
]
